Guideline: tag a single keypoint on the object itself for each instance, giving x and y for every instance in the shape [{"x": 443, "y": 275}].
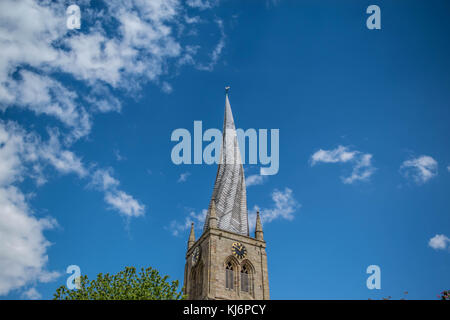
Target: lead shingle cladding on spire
[{"x": 229, "y": 192}]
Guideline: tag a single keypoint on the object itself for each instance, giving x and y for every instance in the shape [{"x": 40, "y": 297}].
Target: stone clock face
[
  {"x": 238, "y": 250},
  {"x": 195, "y": 255}
]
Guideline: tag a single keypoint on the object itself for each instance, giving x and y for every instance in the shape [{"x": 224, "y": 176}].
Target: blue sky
[{"x": 86, "y": 116}]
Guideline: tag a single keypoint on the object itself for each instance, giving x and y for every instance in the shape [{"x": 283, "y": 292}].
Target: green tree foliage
[
  {"x": 125, "y": 285},
  {"x": 445, "y": 295}
]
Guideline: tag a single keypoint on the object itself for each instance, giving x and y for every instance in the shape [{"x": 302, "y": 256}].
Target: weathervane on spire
[{"x": 227, "y": 88}]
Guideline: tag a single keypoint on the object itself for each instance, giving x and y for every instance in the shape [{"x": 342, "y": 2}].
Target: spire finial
[
  {"x": 259, "y": 235},
  {"x": 212, "y": 215},
  {"x": 191, "y": 240},
  {"x": 227, "y": 88}
]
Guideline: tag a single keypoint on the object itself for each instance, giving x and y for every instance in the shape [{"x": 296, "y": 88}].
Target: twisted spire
[{"x": 229, "y": 193}]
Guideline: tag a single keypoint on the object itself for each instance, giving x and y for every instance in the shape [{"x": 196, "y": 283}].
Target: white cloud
[
  {"x": 176, "y": 228},
  {"x": 190, "y": 20},
  {"x": 118, "y": 200},
  {"x": 32, "y": 294},
  {"x": 448, "y": 168},
  {"x": 100, "y": 99},
  {"x": 340, "y": 154},
  {"x": 283, "y": 207},
  {"x": 166, "y": 87},
  {"x": 362, "y": 169},
  {"x": 27, "y": 32},
  {"x": 124, "y": 203},
  {"x": 12, "y": 145},
  {"x": 118, "y": 155},
  {"x": 255, "y": 179},
  {"x": 183, "y": 177},
  {"x": 23, "y": 247},
  {"x": 188, "y": 56},
  {"x": 439, "y": 242},
  {"x": 361, "y": 162},
  {"x": 19, "y": 148},
  {"x": 103, "y": 180},
  {"x": 34, "y": 34},
  {"x": 43, "y": 95},
  {"x": 64, "y": 161},
  {"x": 220, "y": 45},
  {"x": 202, "y": 4},
  {"x": 42, "y": 68},
  {"x": 420, "y": 169}
]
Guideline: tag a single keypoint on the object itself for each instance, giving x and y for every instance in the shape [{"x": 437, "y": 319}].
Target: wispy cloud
[
  {"x": 32, "y": 294},
  {"x": 255, "y": 179},
  {"x": 124, "y": 203},
  {"x": 340, "y": 154},
  {"x": 215, "y": 54},
  {"x": 362, "y": 168},
  {"x": 284, "y": 206},
  {"x": 63, "y": 160},
  {"x": 202, "y": 4},
  {"x": 420, "y": 169},
  {"x": 103, "y": 180},
  {"x": 118, "y": 200},
  {"x": 166, "y": 87},
  {"x": 177, "y": 228},
  {"x": 118, "y": 155},
  {"x": 439, "y": 242},
  {"x": 183, "y": 177},
  {"x": 23, "y": 257}
]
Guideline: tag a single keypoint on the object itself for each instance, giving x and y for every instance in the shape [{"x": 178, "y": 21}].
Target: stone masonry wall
[{"x": 215, "y": 247}]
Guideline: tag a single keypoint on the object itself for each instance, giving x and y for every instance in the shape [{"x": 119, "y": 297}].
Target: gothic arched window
[
  {"x": 229, "y": 276},
  {"x": 245, "y": 279}
]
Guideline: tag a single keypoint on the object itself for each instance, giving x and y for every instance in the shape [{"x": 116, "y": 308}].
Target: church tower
[{"x": 225, "y": 262}]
